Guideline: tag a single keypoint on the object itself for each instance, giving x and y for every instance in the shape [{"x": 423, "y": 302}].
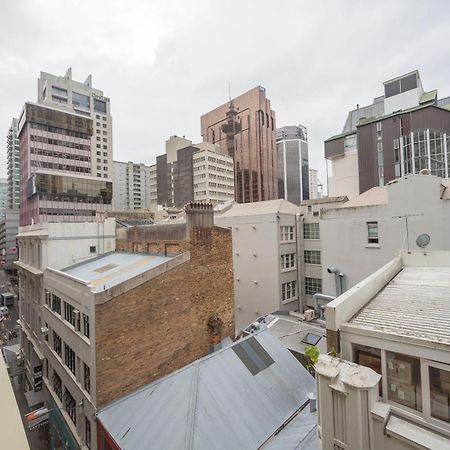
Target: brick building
[{"x": 128, "y": 317}]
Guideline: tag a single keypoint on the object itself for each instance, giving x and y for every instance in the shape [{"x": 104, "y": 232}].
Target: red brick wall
[{"x": 161, "y": 325}]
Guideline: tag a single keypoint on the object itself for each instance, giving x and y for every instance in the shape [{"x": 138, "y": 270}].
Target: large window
[
  {"x": 70, "y": 405},
  {"x": 87, "y": 377},
  {"x": 288, "y": 261},
  {"x": 287, "y": 233},
  {"x": 403, "y": 380},
  {"x": 57, "y": 343},
  {"x": 81, "y": 101},
  {"x": 313, "y": 285},
  {"x": 99, "y": 106},
  {"x": 372, "y": 233},
  {"x": 311, "y": 231},
  {"x": 56, "y": 304},
  {"x": 57, "y": 385},
  {"x": 439, "y": 393},
  {"x": 87, "y": 432},
  {"x": 69, "y": 313},
  {"x": 312, "y": 257},
  {"x": 69, "y": 358},
  {"x": 369, "y": 357},
  {"x": 86, "y": 330},
  {"x": 288, "y": 291}
]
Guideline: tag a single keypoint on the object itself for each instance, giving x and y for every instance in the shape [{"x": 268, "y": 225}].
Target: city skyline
[{"x": 161, "y": 74}]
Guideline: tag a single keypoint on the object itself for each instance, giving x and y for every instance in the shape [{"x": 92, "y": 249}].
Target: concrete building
[
  {"x": 13, "y": 165},
  {"x": 257, "y": 371},
  {"x": 153, "y": 187},
  {"x": 363, "y": 234},
  {"x": 131, "y": 186},
  {"x": 56, "y": 182},
  {"x": 244, "y": 129},
  {"x": 8, "y": 243},
  {"x": 391, "y": 388},
  {"x": 314, "y": 185},
  {"x": 292, "y": 164},
  {"x": 81, "y": 98},
  {"x": 3, "y": 197},
  {"x": 192, "y": 172},
  {"x": 403, "y": 132}
]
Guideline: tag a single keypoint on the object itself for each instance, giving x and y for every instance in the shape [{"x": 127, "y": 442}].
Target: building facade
[
  {"x": 56, "y": 181},
  {"x": 70, "y": 95},
  {"x": 363, "y": 234},
  {"x": 13, "y": 165},
  {"x": 192, "y": 172},
  {"x": 403, "y": 132},
  {"x": 244, "y": 129},
  {"x": 131, "y": 186},
  {"x": 292, "y": 164},
  {"x": 314, "y": 185},
  {"x": 3, "y": 197},
  {"x": 8, "y": 243}
]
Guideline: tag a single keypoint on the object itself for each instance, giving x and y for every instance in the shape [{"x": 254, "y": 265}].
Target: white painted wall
[{"x": 344, "y": 178}]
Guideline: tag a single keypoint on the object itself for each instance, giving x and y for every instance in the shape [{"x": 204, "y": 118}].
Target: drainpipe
[
  {"x": 317, "y": 297},
  {"x": 339, "y": 280}
]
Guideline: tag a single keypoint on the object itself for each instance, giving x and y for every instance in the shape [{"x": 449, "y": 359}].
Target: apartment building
[
  {"x": 244, "y": 129},
  {"x": 153, "y": 195},
  {"x": 404, "y": 131},
  {"x": 83, "y": 99},
  {"x": 56, "y": 181},
  {"x": 292, "y": 163},
  {"x": 363, "y": 234},
  {"x": 3, "y": 197},
  {"x": 13, "y": 165},
  {"x": 8, "y": 242},
  {"x": 131, "y": 186},
  {"x": 193, "y": 172},
  {"x": 391, "y": 388}
]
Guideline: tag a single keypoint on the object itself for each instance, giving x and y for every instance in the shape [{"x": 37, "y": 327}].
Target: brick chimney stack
[
  {"x": 199, "y": 215},
  {"x": 215, "y": 325}
]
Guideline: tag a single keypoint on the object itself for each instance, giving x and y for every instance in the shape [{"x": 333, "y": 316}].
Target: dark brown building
[{"x": 244, "y": 128}]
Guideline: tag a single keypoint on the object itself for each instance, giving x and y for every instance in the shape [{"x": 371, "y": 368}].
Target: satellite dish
[{"x": 423, "y": 240}]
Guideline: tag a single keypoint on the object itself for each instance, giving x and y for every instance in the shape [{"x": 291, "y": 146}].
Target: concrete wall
[
  {"x": 344, "y": 178},
  {"x": 344, "y": 230}
]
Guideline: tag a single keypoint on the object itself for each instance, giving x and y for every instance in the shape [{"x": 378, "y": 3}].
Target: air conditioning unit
[
  {"x": 44, "y": 331},
  {"x": 309, "y": 315}
]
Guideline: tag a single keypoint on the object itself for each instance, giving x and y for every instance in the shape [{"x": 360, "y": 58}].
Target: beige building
[
  {"x": 391, "y": 389},
  {"x": 82, "y": 98}
]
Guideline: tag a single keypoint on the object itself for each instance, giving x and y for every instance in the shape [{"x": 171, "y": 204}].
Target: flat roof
[
  {"x": 111, "y": 269},
  {"x": 277, "y": 206},
  {"x": 414, "y": 304}
]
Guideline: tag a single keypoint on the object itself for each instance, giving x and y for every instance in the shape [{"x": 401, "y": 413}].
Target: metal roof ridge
[{"x": 192, "y": 412}]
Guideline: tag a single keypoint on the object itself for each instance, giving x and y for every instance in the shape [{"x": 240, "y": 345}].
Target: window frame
[{"x": 373, "y": 240}]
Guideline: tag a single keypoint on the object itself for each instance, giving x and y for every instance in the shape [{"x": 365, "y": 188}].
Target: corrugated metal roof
[
  {"x": 428, "y": 97},
  {"x": 279, "y": 206},
  {"x": 111, "y": 269},
  {"x": 213, "y": 403},
  {"x": 415, "y": 304}
]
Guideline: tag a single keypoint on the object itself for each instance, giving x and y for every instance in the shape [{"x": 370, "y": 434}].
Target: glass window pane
[{"x": 439, "y": 393}]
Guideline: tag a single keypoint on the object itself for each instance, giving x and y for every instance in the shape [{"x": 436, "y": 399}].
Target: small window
[
  {"x": 311, "y": 339},
  {"x": 92, "y": 249},
  {"x": 252, "y": 355},
  {"x": 313, "y": 285},
  {"x": 287, "y": 234},
  {"x": 372, "y": 233}
]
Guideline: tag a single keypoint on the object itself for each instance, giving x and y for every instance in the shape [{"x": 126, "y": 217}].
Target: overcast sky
[{"x": 164, "y": 63}]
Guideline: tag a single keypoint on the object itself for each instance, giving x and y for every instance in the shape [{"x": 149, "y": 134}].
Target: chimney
[
  {"x": 199, "y": 215},
  {"x": 215, "y": 325}
]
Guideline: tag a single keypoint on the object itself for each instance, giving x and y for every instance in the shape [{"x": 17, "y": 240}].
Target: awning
[
  {"x": 34, "y": 398},
  {"x": 37, "y": 418}
]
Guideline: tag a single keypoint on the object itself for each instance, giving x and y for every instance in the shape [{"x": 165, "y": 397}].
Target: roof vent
[{"x": 424, "y": 172}]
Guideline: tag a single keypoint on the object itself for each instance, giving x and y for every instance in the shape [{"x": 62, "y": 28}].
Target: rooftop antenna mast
[
  {"x": 405, "y": 216},
  {"x": 229, "y": 90}
]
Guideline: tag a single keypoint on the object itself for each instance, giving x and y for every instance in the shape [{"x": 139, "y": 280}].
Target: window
[
  {"x": 313, "y": 285},
  {"x": 69, "y": 358},
  {"x": 311, "y": 231},
  {"x": 87, "y": 432},
  {"x": 379, "y": 131},
  {"x": 57, "y": 385},
  {"x": 372, "y": 233},
  {"x": 87, "y": 377},
  {"x": 86, "y": 330},
  {"x": 350, "y": 143},
  {"x": 56, "y": 304},
  {"x": 312, "y": 257},
  {"x": 81, "y": 101},
  {"x": 369, "y": 357},
  {"x": 439, "y": 393},
  {"x": 46, "y": 335},
  {"x": 287, "y": 233},
  {"x": 68, "y": 313},
  {"x": 288, "y": 261},
  {"x": 57, "y": 343},
  {"x": 48, "y": 298},
  {"x": 70, "y": 405},
  {"x": 252, "y": 355},
  {"x": 288, "y": 291},
  {"x": 403, "y": 380},
  {"x": 99, "y": 106},
  {"x": 311, "y": 339}
]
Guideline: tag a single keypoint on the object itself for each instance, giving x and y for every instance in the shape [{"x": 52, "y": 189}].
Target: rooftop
[
  {"x": 237, "y": 397},
  {"x": 377, "y": 195},
  {"x": 414, "y": 304},
  {"x": 111, "y": 269},
  {"x": 278, "y": 206}
]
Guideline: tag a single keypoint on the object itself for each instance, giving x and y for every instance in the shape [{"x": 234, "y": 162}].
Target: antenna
[
  {"x": 405, "y": 216},
  {"x": 229, "y": 90},
  {"x": 422, "y": 241}
]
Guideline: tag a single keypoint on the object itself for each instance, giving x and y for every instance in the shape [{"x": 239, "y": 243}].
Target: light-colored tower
[
  {"x": 81, "y": 98},
  {"x": 13, "y": 165}
]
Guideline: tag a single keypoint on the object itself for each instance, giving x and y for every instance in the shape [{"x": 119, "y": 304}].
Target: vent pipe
[{"x": 339, "y": 278}]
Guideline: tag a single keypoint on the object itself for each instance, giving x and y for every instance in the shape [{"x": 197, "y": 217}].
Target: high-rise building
[
  {"x": 193, "y": 172},
  {"x": 292, "y": 155},
  {"x": 244, "y": 128},
  {"x": 56, "y": 183},
  {"x": 13, "y": 165},
  {"x": 404, "y": 131},
  {"x": 3, "y": 197},
  {"x": 81, "y": 98},
  {"x": 313, "y": 184},
  {"x": 131, "y": 186}
]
